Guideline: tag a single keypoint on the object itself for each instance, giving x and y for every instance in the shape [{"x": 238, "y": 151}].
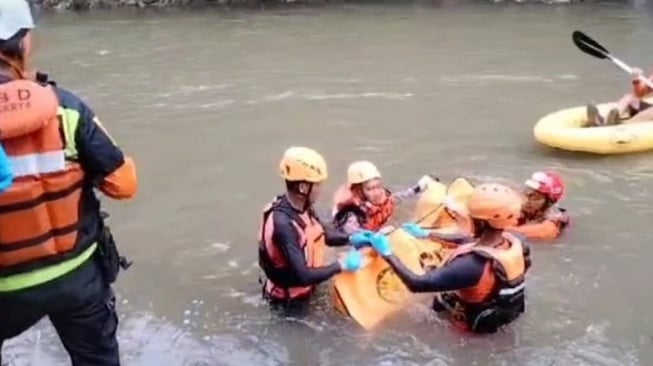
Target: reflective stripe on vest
[
  {"x": 512, "y": 290},
  {"x": 37, "y": 164},
  {"x": 69, "y": 123}
]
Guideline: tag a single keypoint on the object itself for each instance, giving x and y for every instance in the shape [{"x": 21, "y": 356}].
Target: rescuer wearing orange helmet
[
  {"x": 292, "y": 238},
  {"x": 482, "y": 283}
]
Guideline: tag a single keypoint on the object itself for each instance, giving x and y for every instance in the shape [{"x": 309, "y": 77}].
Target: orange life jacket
[
  {"x": 279, "y": 284},
  {"x": 373, "y": 217},
  {"x": 499, "y": 296},
  {"x": 39, "y": 213}
]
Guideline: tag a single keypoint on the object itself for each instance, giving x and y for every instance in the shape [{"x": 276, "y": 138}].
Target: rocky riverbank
[{"x": 108, "y": 4}]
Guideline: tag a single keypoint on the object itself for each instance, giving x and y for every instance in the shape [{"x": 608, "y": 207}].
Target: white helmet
[
  {"x": 14, "y": 16},
  {"x": 362, "y": 171}
]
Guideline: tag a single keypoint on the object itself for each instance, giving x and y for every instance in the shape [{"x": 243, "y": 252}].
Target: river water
[{"x": 207, "y": 101}]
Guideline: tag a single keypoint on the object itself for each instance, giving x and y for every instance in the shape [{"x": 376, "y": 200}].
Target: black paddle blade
[{"x": 586, "y": 44}]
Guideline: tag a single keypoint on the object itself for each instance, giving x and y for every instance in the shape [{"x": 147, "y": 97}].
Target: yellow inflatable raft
[
  {"x": 374, "y": 293},
  {"x": 562, "y": 130}
]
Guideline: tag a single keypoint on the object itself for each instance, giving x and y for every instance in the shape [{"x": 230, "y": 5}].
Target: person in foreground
[
  {"x": 57, "y": 258},
  {"x": 542, "y": 219},
  {"x": 364, "y": 202},
  {"x": 481, "y": 284},
  {"x": 292, "y": 238},
  {"x": 631, "y": 106}
]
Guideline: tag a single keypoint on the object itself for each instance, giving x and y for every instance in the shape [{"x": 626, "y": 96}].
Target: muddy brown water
[{"x": 207, "y": 101}]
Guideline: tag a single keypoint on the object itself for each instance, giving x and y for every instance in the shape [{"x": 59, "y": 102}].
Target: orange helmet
[
  {"x": 302, "y": 164},
  {"x": 497, "y": 204}
]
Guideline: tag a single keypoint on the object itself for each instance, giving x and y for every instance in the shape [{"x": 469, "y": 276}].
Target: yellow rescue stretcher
[
  {"x": 374, "y": 293},
  {"x": 562, "y": 130}
]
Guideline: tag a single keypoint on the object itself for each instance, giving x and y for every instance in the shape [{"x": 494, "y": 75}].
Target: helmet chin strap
[{"x": 307, "y": 196}]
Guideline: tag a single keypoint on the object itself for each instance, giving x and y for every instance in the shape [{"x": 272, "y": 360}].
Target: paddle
[{"x": 591, "y": 47}]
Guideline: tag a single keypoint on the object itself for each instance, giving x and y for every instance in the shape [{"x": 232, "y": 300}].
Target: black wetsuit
[
  {"x": 287, "y": 239},
  {"x": 462, "y": 272}
]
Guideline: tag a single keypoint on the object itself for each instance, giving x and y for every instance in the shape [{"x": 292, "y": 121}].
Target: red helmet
[{"x": 548, "y": 183}]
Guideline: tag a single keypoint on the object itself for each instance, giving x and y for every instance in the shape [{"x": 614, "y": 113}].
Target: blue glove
[
  {"x": 414, "y": 230},
  {"x": 352, "y": 261},
  {"x": 361, "y": 238},
  {"x": 6, "y": 174},
  {"x": 381, "y": 244}
]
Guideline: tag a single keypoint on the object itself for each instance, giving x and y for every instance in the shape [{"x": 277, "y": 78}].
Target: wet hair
[
  {"x": 541, "y": 212},
  {"x": 357, "y": 188},
  {"x": 12, "y": 48},
  {"x": 548, "y": 203}
]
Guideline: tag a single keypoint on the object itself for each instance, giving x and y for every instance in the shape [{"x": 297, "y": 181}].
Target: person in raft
[
  {"x": 481, "y": 284},
  {"x": 364, "y": 202},
  {"x": 630, "y": 106},
  {"x": 292, "y": 238},
  {"x": 542, "y": 219}
]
